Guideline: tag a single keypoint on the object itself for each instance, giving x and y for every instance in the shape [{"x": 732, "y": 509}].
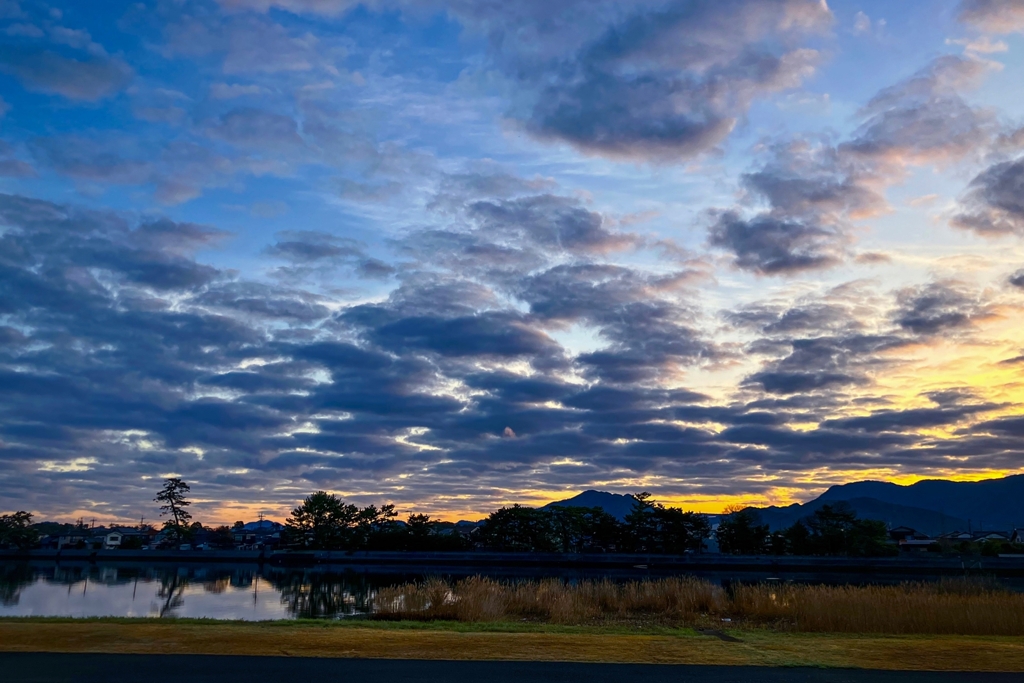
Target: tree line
[
  {"x": 323, "y": 521},
  {"x": 833, "y": 530}
]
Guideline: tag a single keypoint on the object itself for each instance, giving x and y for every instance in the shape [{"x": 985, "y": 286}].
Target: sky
[{"x": 457, "y": 254}]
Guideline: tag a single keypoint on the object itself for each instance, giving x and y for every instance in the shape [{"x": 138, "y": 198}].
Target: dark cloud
[
  {"x": 772, "y": 246},
  {"x": 825, "y": 362},
  {"x": 821, "y": 346},
  {"x": 312, "y": 254},
  {"x": 268, "y": 302},
  {"x": 939, "y": 308},
  {"x": 305, "y": 247},
  {"x": 648, "y": 331},
  {"x": 1017, "y": 279},
  {"x": 88, "y": 78},
  {"x": 486, "y": 334},
  {"x": 550, "y": 222},
  {"x": 909, "y": 420},
  {"x": 813, "y": 192},
  {"x": 671, "y": 82},
  {"x": 994, "y": 202}
]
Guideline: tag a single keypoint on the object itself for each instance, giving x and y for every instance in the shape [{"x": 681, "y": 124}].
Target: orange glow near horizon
[{"x": 816, "y": 481}]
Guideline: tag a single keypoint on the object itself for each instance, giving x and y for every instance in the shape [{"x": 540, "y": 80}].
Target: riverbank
[
  {"x": 514, "y": 642},
  {"x": 615, "y": 565}
]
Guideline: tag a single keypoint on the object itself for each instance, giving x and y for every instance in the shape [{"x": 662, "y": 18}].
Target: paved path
[{"x": 101, "y": 668}]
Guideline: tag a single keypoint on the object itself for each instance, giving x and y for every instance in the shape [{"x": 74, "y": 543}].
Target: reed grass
[{"x": 945, "y": 608}]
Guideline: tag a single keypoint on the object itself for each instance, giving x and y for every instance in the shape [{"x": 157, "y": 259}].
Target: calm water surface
[
  {"x": 246, "y": 592},
  {"x": 212, "y": 592}
]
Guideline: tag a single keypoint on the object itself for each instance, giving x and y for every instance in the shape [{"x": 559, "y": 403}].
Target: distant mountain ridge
[
  {"x": 932, "y": 506},
  {"x": 988, "y": 504},
  {"x": 926, "y": 521},
  {"x": 615, "y": 504}
]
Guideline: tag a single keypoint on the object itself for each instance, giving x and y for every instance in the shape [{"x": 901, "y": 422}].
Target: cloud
[
  {"x": 994, "y": 16},
  {"x": 273, "y": 303},
  {"x": 821, "y": 345},
  {"x": 550, "y": 222},
  {"x": 11, "y": 167},
  {"x": 939, "y": 308},
  {"x": 248, "y": 44},
  {"x": 256, "y": 128},
  {"x": 672, "y": 83},
  {"x": 861, "y": 23},
  {"x": 994, "y": 201},
  {"x": 923, "y": 119},
  {"x": 813, "y": 191},
  {"x": 771, "y": 246},
  {"x": 980, "y": 46},
  {"x": 322, "y": 7},
  {"x": 649, "y": 332},
  {"x": 320, "y": 254},
  {"x": 179, "y": 171},
  {"x": 40, "y": 70},
  {"x": 229, "y": 91}
]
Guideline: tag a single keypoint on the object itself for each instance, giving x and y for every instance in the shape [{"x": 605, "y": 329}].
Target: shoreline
[{"x": 624, "y": 565}]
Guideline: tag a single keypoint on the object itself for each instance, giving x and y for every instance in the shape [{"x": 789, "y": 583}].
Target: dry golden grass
[
  {"x": 553, "y": 601},
  {"x": 951, "y": 608},
  {"x": 946, "y": 608},
  {"x": 392, "y": 641}
]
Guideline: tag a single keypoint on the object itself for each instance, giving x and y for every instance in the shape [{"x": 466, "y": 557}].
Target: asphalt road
[{"x": 101, "y": 668}]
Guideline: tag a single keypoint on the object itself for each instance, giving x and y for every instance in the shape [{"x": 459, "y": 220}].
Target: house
[
  {"x": 905, "y": 533},
  {"x": 982, "y": 536},
  {"x": 258, "y": 535},
  {"x": 957, "y": 537},
  {"x": 112, "y": 540},
  {"x": 119, "y": 537},
  {"x": 1017, "y": 536},
  {"x": 80, "y": 538},
  {"x": 910, "y": 539}
]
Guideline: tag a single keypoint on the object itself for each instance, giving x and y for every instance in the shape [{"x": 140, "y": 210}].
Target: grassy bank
[
  {"x": 946, "y": 608},
  {"x": 513, "y": 641}
]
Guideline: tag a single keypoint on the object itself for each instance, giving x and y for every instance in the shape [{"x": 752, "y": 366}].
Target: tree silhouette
[{"x": 172, "y": 495}]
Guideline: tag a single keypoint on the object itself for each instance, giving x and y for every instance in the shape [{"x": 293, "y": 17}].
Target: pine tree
[{"x": 172, "y": 495}]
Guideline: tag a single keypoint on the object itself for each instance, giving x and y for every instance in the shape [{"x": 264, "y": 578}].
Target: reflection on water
[
  {"x": 248, "y": 592},
  {"x": 222, "y": 593}
]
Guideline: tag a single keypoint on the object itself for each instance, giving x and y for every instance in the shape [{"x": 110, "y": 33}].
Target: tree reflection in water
[
  {"x": 166, "y": 590},
  {"x": 172, "y": 588},
  {"x": 312, "y": 595},
  {"x": 12, "y": 579}
]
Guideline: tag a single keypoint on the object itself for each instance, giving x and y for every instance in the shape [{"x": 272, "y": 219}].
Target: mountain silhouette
[
  {"x": 926, "y": 521},
  {"x": 932, "y": 506},
  {"x": 993, "y": 504},
  {"x": 615, "y": 504}
]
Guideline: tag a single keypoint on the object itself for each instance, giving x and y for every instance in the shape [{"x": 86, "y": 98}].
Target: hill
[
  {"x": 927, "y": 521},
  {"x": 615, "y": 504},
  {"x": 996, "y": 504}
]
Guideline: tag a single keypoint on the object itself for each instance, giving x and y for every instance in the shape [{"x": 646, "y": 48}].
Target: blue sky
[{"x": 458, "y": 254}]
